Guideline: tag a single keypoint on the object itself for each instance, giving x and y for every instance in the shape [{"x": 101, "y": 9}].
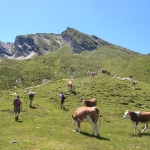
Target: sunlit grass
[{"x": 46, "y": 126}]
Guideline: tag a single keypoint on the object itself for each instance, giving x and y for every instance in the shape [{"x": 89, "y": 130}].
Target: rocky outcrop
[
  {"x": 24, "y": 45},
  {"x": 6, "y": 49},
  {"x": 43, "y": 43},
  {"x": 79, "y": 41},
  {"x": 39, "y": 43}
]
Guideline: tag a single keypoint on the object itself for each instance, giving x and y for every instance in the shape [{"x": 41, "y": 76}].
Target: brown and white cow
[
  {"x": 70, "y": 85},
  {"x": 93, "y": 73},
  {"x": 117, "y": 76},
  {"x": 89, "y": 73},
  {"x": 86, "y": 114},
  {"x": 105, "y": 72},
  {"x": 136, "y": 117},
  {"x": 89, "y": 103}
]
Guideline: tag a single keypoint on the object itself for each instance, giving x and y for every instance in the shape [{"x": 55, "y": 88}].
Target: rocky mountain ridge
[{"x": 43, "y": 43}]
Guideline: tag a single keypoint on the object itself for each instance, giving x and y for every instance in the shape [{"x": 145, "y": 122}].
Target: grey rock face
[{"x": 43, "y": 43}]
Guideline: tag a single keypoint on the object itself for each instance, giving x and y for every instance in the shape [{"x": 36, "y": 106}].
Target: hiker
[
  {"x": 31, "y": 95},
  {"x": 62, "y": 99},
  {"x": 17, "y": 107}
]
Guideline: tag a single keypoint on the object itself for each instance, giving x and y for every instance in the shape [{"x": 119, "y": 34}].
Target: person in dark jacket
[
  {"x": 17, "y": 107},
  {"x": 31, "y": 95},
  {"x": 62, "y": 99}
]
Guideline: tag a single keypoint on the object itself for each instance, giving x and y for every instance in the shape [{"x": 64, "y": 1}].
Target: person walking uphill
[
  {"x": 31, "y": 95},
  {"x": 62, "y": 99},
  {"x": 17, "y": 107}
]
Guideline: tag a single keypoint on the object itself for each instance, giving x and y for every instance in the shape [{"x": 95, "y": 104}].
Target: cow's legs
[
  {"x": 135, "y": 127},
  {"x": 95, "y": 128},
  {"x": 78, "y": 127},
  {"x": 146, "y": 126}
]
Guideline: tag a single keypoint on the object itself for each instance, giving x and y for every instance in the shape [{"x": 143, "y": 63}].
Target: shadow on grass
[
  {"x": 32, "y": 107},
  {"x": 93, "y": 136},
  {"x": 66, "y": 109},
  {"x": 139, "y": 134},
  {"x": 124, "y": 103},
  {"x": 74, "y": 92},
  {"x": 143, "y": 134},
  {"x": 19, "y": 121}
]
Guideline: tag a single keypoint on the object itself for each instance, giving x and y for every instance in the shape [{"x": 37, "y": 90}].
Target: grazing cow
[
  {"x": 93, "y": 73},
  {"x": 105, "y": 72},
  {"x": 136, "y": 117},
  {"x": 108, "y": 73},
  {"x": 89, "y": 103},
  {"x": 70, "y": 85},
  {"x": 117, "y": 77},
  {"x": 135, "y": 83},
  {"x": 86, "y": 114},
  {"x": 89, "y": 73}
]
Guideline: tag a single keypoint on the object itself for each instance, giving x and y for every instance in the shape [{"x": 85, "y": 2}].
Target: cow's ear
[{"x": 129, "y": 112}]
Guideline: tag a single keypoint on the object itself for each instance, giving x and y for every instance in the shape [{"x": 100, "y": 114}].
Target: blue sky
[{"x": 122, "y": 22}]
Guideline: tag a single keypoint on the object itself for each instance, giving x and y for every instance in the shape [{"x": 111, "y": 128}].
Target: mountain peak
[{"x": 43, "y": 43}]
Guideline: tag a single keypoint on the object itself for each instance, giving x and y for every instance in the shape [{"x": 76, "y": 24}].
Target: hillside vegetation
[
  {"x": 63, "y": 63},
  {"x": 46, "y": 126}
]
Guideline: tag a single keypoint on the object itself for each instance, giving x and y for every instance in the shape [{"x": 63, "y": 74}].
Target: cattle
[
  {"x": 135, "y": 83},
  {"x": 70, "y": 85},
  {"x": 89, "y": 103},
  {"x": 89, "y": 73},
  {"x": 86, "y": 114},
  {"x": 93, "y": 73},
  {"x": 108, "y": 73},
  {"x": 126, "y": 79},
  {"x": 105, "y": 72},
  {"x": 136, "y": 117},
  {"x": 117, "y": 76}
]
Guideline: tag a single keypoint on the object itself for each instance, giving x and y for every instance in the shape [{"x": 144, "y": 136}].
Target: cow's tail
[{"x": 99, "y": 116}]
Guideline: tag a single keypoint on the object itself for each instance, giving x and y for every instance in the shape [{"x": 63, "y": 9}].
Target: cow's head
[
  {"x": 73, "y": 120},
  {"x": 126, "y": 115}
]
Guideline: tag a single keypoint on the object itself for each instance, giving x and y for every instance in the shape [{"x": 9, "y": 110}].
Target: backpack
[
  {"x": 31, "y": 94},
  {"x": 16, "y": 102},
  {"x": 63, "y": 96}
]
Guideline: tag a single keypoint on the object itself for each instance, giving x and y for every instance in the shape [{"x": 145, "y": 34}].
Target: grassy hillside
[
  {"x": 63, "y": 63},
  {"x": 46, "y": 126}
]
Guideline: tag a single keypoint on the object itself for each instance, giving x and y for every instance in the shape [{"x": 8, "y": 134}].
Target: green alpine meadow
[{"x": 46, "y": 126}]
